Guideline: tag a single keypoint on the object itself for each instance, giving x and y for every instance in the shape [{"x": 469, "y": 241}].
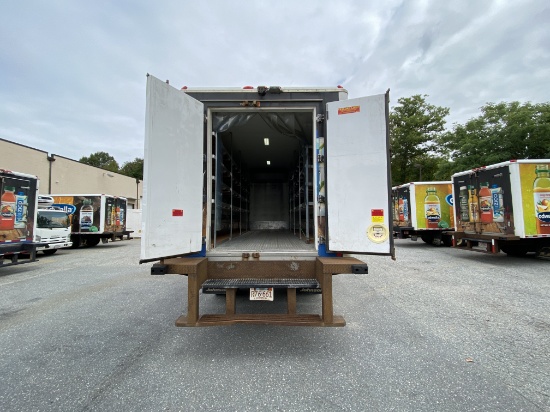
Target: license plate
[{"x": 261, "y": 293}]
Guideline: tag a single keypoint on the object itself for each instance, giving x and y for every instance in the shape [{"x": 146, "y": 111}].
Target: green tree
[
  {"x": 414, "y": 127},
  {"x": 133, "y": 168},
  {"x": 102, "y": 160},
  {"x": 503, "y": 131}
]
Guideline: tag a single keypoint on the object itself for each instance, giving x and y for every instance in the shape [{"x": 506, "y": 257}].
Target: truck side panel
[
  {"x": 18, "y": 193},
  {"x": 466, "y": 189},
  {"x": 445, "y": 214},
  {"x": 535, "y": 199},
  {"x": 85, "y": 211}
]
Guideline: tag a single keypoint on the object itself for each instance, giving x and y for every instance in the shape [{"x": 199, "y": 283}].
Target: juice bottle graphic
[
  {"x": 485, "y": 203},
  {"x": 464, "y": 208},
  {"x": 20, "y": 211},
  {"x": 86, "y": 215},
  {"x": 7, "y": 208},
  {"x": 113, "y": 215},
  {"x": 117, "y": 214},
  {"x": 432, "y": 208},
  {"x": 541, "y": 193},
  {"x": 405, "y": 210},
  {"x": 498, "y": 206},
  {"x": 473, "y": 205},
  {"x": 400, "y": 206}
]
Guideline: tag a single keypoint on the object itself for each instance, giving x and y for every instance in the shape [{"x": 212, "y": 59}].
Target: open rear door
[
  {"x": 358, "y": 176},
  {"x": 173, "y": 167}
]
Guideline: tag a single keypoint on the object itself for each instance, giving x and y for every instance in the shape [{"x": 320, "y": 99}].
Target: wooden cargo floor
[{"x": 265, "y": 241}]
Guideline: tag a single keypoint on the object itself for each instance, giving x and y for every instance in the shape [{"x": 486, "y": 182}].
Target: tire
[
  {"x": 447, "y": 240},
  {"x": 90, "y": 241},
  {"x": 76, "y": 242},
  {"x": 516, "y": 251},
  {"x": 427, "y": 238},
  {"x": 48, "y": 252}
]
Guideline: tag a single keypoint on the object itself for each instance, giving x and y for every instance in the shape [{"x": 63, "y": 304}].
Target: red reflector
[
  {"x": 248, "y": 87},
  {"x": 340, "y": 87},
  {"x": 377, "y": 212},
  {"x": 177, "y": 212},
  {"x": 184, "y": 88}
]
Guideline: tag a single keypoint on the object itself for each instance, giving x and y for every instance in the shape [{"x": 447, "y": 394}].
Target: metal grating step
[{"x": 260, "y": 283}]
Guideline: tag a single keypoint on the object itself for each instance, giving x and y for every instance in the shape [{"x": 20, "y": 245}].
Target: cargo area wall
[{"x": 59, "y": 174}]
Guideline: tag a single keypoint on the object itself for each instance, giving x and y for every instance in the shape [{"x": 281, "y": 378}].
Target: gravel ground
[{"x": 437, "y": 329}]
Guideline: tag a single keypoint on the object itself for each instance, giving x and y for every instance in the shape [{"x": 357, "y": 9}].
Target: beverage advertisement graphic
[
  {"x": 434, "y": 206},
  {"x": 535, "y": 192},
  {"x": 400, "y": 203},
  {"x": 17, "y": 208},
  {"x": 83, "y": 211},
  {"x": 512, "y": 198},
  {"x": 424, "y": 205},
  {"x": 484, "y": 201},
  {"x": 88, "y": 214}
]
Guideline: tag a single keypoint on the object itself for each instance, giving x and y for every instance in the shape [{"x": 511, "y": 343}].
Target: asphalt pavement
[{"x": 439, "y": 329}]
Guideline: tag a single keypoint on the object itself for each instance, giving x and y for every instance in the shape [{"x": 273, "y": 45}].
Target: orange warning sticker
[{"x": 349, "y": 109}]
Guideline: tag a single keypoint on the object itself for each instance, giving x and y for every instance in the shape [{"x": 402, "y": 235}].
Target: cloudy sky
[{"x": 73, "y": 72}]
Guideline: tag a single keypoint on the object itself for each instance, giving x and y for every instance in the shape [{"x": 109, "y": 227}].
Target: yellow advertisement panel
[
  {"x": 535, "y": 193},
  {"x": 434, "y": 206}
]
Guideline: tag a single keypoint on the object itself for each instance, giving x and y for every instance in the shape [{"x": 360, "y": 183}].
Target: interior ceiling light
[
  {"x": 266, "y": 141},
  {"x": 268, "y": 162}
]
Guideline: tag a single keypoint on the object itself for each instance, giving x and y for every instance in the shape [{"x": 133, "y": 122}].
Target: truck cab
[{"x": 53, "y": 230}]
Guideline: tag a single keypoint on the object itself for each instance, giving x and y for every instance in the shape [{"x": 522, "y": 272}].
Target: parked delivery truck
[
  {"x": 425, "y": 210},
  {"x": 18, "y": 196},
  {"x": 505, "y": 206},
  {"x": 93, "y": 217},
  {"x": 267, "y": 189}
]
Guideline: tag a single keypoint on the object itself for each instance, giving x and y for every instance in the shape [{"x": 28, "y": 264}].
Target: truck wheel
[
  {"x": 427, "y": 238},
  {"x": 49, "y": 251},
  {"x": 516, "y": 251},
  {"x": 76, "y": 242},
  {"x": 91, "y": 241},
  {"x": 447, "y": 240}
]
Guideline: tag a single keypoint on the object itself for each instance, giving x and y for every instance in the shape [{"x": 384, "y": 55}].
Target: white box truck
[
  {"x": 93, "y": 217},
  {"x": 504, "y": 206},
  {"x": 18, "y": 204},
  {"x": 264, "y": 188},
  {"x": 425, "y": 210}
]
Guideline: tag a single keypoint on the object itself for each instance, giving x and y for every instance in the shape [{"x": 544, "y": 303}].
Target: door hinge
[{"x": 320, "y": 118}]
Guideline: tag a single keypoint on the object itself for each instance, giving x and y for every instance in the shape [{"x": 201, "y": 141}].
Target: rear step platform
[
  {"x": 232, "y": 275},
  {"x": 216, "y": 284}
]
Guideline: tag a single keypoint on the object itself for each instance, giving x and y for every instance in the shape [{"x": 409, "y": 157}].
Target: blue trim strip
[
  {"x": 323, "y": 252},
  {"x": 202, "y": 253}
]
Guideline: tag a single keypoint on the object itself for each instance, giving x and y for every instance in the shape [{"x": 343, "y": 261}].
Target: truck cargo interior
[{"x": 262, "y": 182}]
